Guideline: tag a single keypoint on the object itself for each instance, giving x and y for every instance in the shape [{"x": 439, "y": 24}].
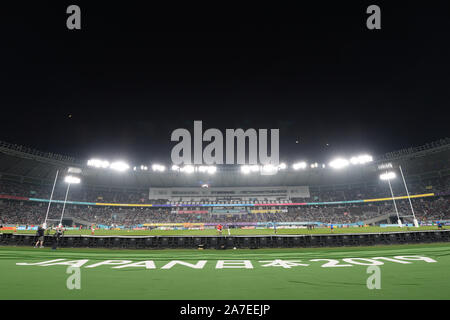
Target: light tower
[
  {"x": 416, "y": 223},
  {"x": 50, "y": 200},
  {"x": 389, "y": 175},
  {"x": 69, "y": 180}
]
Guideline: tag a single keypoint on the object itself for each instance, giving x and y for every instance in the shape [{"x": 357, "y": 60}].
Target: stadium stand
[
  {"x": 104, "y": 198},
  {"x": 20, "y": 212}
]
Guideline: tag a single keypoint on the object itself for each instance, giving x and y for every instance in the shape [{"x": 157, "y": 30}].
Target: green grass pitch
[
  {"x": 412, "y": 279},
  {"x": 236, "y": 232}
]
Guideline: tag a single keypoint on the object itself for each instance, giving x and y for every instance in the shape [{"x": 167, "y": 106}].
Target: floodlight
[
  {"x": 314, "y": 165},
  {"x": 74, "y": 170},
  {"x": 97, "y": 163},
  {"x": 299, "y": 165},
  {"x": 211, "y": 169},
  {"x": 362, "y": 159},
  {"x": 72, "y": 179},
  {"x": 245, "y": 169},
  {"x": 366, "y": 158},
  {"x": 282, "y": 166},
  {"x": 175, "y": 167},
  {"x": 384, "y": 166},
  {"x": 269, "y": 168},
  {"x": 250, "y": 168},
  {"x": 158, "y": 167},
  {"x": 387, "y": 176},
  {"x": 208, "y": 169},
  {"x": 188, "y": 169},
  {"x": 338, "y": 163},
  {"x": 119, "y": 166}
]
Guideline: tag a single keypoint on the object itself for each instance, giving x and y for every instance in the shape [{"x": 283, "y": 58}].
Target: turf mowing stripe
[{"x": 416, "y": 280}]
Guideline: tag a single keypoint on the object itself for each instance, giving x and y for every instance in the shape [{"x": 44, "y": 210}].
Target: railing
[
  {"x": 34, "y": 152},
  {"x": 442, "y": 143}
]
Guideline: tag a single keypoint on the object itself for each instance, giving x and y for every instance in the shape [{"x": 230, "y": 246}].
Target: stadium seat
[
  {"x": 424, "y": 236},
  {"x": 69, "y": 242},
  {"x": 437, "y": 236},
  {"x": 85, "y": 242},
  {"x": 131, "y": 243},
  {"x": 344, "y": 240},
  {"x": 296, "y": 242},
  {"x": 164, "y": 242},
  {"x": 329, "y": 240},
  {"x": 212, "y": 242},
  {"x": 445, "y": 236},
  {"x": 13, "y": 239},
  {"x": 393, "y": 238},
  {"x": 99, "y": 242},
  {"x": 27, "y": 240},
  {"x": 280, "y": 242},
  {"x": 181, "y": 242},
  {"x": 406, "y": 238},
  {"x": 363, "y": 240},
  {"x": 262, "y": 242},
  {"x": 148, "y": 242},
  {"x": 314, "y": 241},
  {"x": 197, "y": 241},
  {"x": 116, "y": 243}
]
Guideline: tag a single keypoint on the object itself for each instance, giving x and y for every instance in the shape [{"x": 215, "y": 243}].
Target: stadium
[
  {"x": 216, "y": 162},
  {"x": 113, "y": 213}
]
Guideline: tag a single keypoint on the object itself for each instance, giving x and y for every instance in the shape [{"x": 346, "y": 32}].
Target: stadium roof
[{"x": 24, "y": 164}]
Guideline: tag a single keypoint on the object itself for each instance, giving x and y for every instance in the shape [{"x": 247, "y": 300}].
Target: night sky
[{"x": 119, "y": 86}]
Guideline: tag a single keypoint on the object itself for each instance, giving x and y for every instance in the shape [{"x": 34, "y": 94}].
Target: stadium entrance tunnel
[{"x": 231, "y": 242}]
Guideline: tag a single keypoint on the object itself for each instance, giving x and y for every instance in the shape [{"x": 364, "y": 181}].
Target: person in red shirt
[{"x": 219, "y": 228}]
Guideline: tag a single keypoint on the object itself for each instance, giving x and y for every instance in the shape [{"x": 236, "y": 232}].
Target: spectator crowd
[{"x": 31, "y": 213}]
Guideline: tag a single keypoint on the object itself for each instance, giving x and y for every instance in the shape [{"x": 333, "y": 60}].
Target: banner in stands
[
  {"x": 395, "y": 225},
  {"x": 191, "y": 211},
  {"x": 23, "y": 228},
  {"x": 193, "y": 224},
  {"x": 8, "y": 228},
  {"x": 290, "y": 204},
  {"x": 269, "y": 211},
  {"x": 240, "y": 224},
  {"x": 4, "y": 196},
  {"x": 229, "y": 211},
  {"x": 180, "y": 194}
]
